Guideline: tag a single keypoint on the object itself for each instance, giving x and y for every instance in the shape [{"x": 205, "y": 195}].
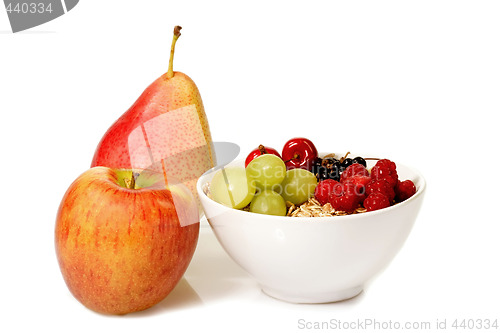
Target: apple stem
[
  {"x": 262, "y": 149},
  {"x": 177, "y": 34},
  {"x": 131, "y": 182}
]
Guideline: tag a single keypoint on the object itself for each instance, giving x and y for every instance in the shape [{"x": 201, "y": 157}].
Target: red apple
[{"x": 123, "y": 246}]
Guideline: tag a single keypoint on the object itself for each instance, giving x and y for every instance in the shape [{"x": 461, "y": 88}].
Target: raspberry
[
  {"x": 348, "y": 199},
  {"x": 355, "y": 169},
  {"x": 346, "y": 203},
  {"x": 357, "y": 184},
  {"x": 325, "y": 188},
  {"x": 376, "y": 201},
  {"x": 385, "y": 172},
  {"x": 359, "y": 180},
  {"x": 387, "y": 164},
  {"x": 404, "y": 190},
  {"x": 381, "y": 186}
]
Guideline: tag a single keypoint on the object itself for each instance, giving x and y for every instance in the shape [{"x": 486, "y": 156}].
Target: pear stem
[{"x": 177, "y": 34}]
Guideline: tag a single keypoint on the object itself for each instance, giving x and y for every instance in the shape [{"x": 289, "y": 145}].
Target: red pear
[{"x": 166, "y": 130}]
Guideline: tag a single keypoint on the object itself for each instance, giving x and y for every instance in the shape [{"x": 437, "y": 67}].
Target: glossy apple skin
[
  {"x": 123, "y": 250},
  {"x": 299, "y": 153},
  {"x": 167, "y": 123}
]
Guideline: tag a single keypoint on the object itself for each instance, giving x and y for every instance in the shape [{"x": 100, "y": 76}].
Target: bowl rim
[{"x": 326, "y": 219}]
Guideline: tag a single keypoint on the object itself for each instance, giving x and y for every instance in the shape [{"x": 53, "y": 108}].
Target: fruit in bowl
[
  {"x": 341, "y": 186},
  {"x": 304, "y": 258}
]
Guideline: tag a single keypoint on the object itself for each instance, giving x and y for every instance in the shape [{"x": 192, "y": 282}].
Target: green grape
[
  {"x": 232, "y": 188},
  {"x": 267, "y": 170},
  {"x": 298, "y": 186},
  {"x": 268, "y": 202}
]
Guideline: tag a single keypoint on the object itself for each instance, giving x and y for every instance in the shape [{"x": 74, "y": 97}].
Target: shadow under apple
[
  {"x": 182, "y": 296},
  {"x": 212, "y": 272},
  {"x": 211, "y": 276}
]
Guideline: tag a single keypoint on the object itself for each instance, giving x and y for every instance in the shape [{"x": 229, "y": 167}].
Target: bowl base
[{"x": 327, "y": 297}]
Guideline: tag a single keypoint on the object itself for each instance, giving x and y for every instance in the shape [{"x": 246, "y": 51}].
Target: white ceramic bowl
[{"x": 313, "y": 259}]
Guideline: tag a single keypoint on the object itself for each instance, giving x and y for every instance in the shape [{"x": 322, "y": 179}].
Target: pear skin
[{"x": 165, "y": 130}]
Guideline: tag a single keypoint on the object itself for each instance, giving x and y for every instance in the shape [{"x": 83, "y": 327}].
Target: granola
[{"x": 312, "y": 208}]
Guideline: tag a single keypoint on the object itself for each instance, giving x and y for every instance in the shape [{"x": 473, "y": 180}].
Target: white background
[{"x": 414, "y": 81}]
